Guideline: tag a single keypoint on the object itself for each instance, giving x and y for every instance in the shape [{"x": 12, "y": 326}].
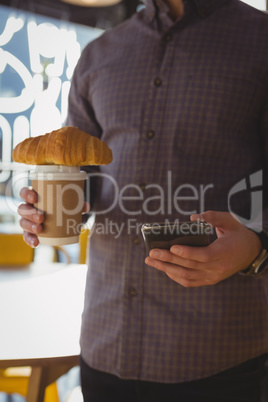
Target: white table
[{"x": 40, "y": 318}]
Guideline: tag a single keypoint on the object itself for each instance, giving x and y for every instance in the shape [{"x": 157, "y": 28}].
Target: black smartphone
[{"x": 165, "y": 235}]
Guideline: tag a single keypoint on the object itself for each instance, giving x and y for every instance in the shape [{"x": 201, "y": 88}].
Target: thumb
[
  {"x": 222, "y": 221},
  {"x": 86, "y": 207}
]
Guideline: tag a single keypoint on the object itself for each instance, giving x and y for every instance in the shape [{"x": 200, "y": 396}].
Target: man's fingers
[
  {"x": 29, "y": 226},
  {"x": 186, "y": 256},
  {"x": 31, "y": 218},
  {"x": 221, "y": 220},
  {"x": 86, "y": 207},
  {"x": 184, "y": 276},
  {"x": 31, "y": 239},
  {"x": 28, "y": 195},
  {"x": 27, "y": 211}
]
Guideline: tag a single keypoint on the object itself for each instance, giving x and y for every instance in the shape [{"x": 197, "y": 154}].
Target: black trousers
[{"x": 242, "y": 383}]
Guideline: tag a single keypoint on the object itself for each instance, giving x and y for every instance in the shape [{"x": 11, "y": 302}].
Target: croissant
[{"x": 65, "y": 146}]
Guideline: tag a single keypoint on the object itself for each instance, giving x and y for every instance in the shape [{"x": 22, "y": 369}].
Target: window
[{"x": 37, "y": 58}]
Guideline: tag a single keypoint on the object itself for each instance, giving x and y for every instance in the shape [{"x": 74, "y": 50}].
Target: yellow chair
[
  {"x": 15, "y": 380},
  {"x": 14, "y": 250},
  {"x": 83, "y": 242},
  {"x": 83, "y": 249}
]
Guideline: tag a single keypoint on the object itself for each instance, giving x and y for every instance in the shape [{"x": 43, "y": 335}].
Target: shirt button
[
  {"x": 168, "y": 37},
  {"x": 143, "y": 187},
  {"x": 150, "y": 134},
  {"x": 137, "y": 240},
  {"x": 132, "y": 292},
  {"x": 158, "y": 82}
]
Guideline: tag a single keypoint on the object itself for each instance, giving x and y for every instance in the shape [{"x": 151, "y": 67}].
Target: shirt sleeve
[
  {"x": 81, "y": 115},
  {"x": 264, "y": 136},
  {"x": 260, "y": 222},
  {"x": 80, "y": 111}
]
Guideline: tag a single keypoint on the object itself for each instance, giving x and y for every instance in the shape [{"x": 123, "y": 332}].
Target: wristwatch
[{"x": 261, "y": 262}]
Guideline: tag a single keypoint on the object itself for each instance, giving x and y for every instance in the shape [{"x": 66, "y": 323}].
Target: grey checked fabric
[{"x": 184, "y": 108}]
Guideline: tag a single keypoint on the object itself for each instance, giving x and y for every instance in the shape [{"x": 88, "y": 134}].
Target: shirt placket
[{"x": 130, "y": 353}]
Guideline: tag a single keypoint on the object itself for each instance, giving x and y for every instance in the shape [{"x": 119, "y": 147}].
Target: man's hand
[
  {"x": 233, "y": 250},
  {"x": 32, "y": 218}
]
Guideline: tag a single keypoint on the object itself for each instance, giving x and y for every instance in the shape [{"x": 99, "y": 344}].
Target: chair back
[{"x": 14, "y": 251}]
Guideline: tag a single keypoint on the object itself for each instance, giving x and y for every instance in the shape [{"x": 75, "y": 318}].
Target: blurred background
[{"x": 40, "y": 43}]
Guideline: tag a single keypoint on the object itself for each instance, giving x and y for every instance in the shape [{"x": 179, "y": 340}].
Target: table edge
[{"x": 42, "y": 361}]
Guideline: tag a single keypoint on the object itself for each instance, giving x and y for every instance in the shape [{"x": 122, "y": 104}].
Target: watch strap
[
  {"x": 261, "y": 262},
  {"x": 263, "y": 238}
]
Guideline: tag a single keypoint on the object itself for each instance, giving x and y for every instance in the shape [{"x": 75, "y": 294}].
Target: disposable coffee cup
[{"x": 60, "y": 192}]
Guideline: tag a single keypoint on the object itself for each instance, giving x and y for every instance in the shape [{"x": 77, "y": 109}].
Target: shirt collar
[{"x": 203, "y": 7}]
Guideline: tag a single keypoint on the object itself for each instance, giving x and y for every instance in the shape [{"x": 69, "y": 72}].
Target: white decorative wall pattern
[{"x": 37, "y": 59}]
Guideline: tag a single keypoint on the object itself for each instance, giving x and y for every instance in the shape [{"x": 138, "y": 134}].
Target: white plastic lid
[{"x": 57, "y": 172}]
